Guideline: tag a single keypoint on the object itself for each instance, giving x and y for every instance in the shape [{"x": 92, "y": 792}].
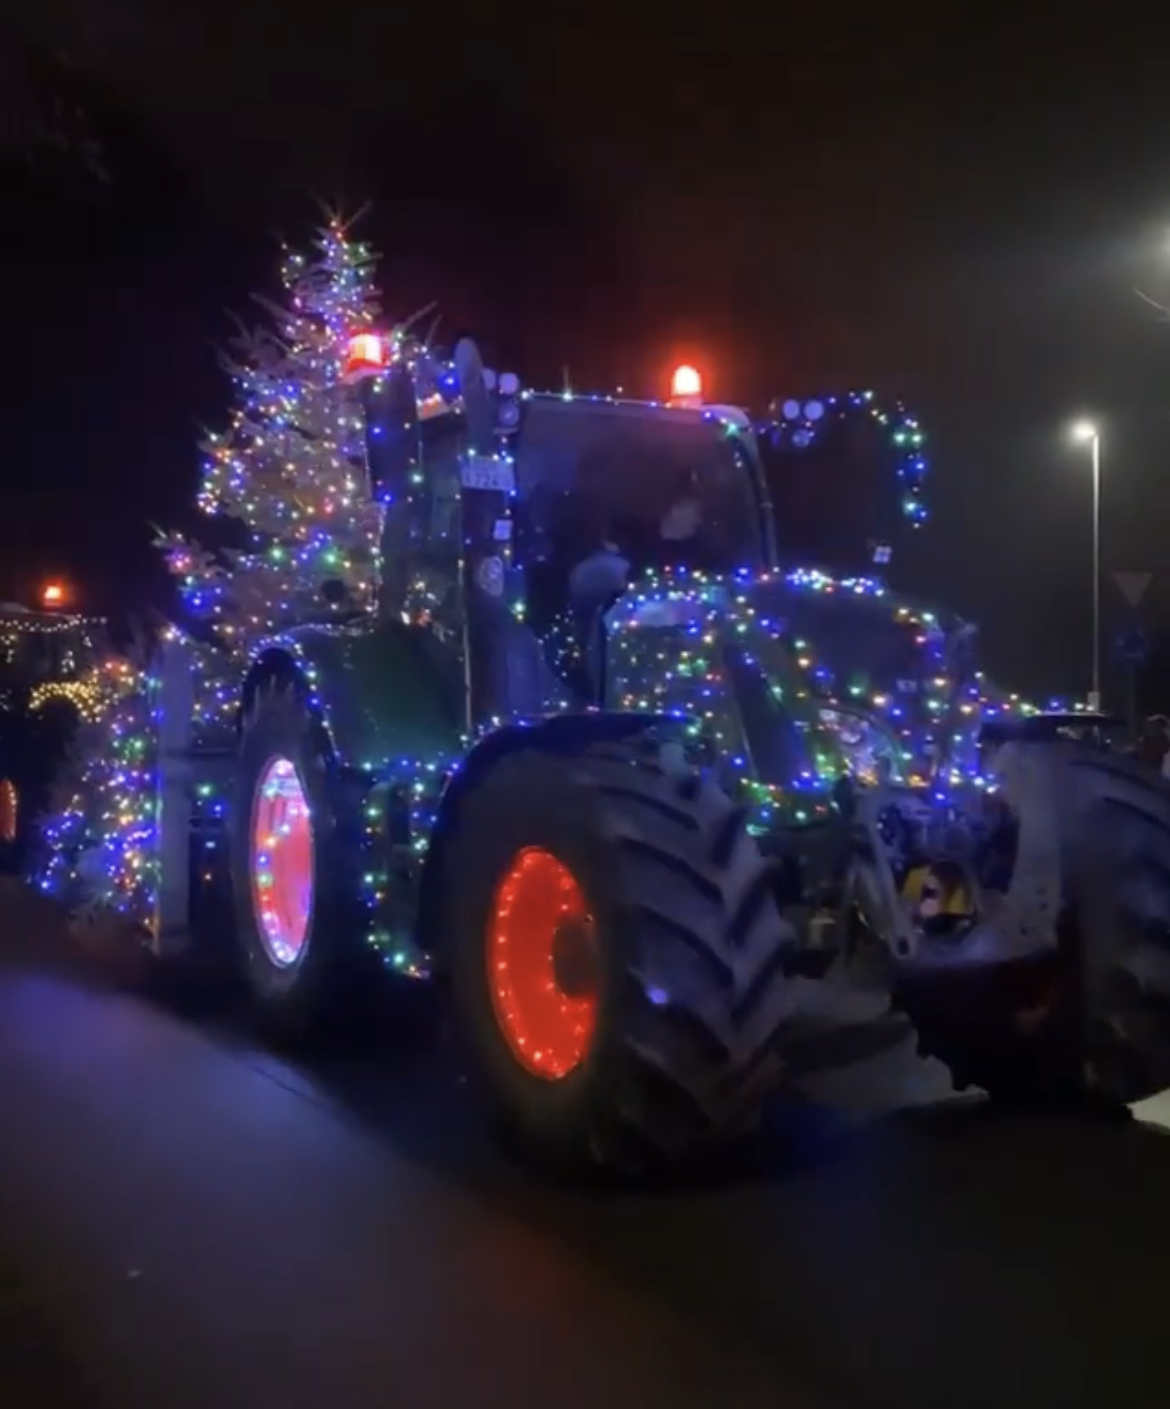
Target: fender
[
  {"x": 383, "y": 690},
  {"x": 560, "y": 734}
]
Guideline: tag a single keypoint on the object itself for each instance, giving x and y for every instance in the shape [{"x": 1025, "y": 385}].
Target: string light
[
  {"x": 667, "y": 655},
  {"x": 800, "y": 424},
  {"x": 45, "y": 656},
  {"x": 17, "y": 626},
  {"x": 97, "y": 846},
  {"x": 540, "y": 907},
  {"x": 282, "y": 861},
  {"x": 85, "y": 696},
  {"x": 100, "y": 848},
  {"x": 291, "y": 467},
  {"x": 878, "y": 657}
]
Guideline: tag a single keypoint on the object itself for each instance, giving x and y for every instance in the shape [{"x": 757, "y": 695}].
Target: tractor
[
  {"x": 48, "y": 686},
  {"x": 572, "y": 773}
]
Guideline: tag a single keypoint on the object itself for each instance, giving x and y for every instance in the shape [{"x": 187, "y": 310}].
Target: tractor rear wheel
[
  {"x": 616, "y": 957},
  {"x": 1094, "y": 1017}
]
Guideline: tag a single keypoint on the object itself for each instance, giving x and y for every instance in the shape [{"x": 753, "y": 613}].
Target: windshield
[{"x": 665, "y": 489}]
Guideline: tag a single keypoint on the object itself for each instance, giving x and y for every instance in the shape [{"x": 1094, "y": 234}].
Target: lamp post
[{"x": 1087, "y": 434}]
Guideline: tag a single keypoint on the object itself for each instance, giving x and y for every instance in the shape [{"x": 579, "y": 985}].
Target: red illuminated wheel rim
[
  {"x": 542, "y": 965},
  {"x": 9, "y": 805},
  {"x": 281, "y": 862}
]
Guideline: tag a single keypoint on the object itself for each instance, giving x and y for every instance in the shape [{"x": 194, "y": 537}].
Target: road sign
[
  {"x": 1133, "y": 586},
  {"x": 1133, "y": 646}
]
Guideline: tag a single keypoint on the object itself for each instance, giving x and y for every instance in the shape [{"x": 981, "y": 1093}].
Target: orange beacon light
[{"x": 686, "y": 385}]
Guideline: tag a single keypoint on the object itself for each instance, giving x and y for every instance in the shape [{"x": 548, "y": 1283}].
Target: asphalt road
[{"x": 187, "y": 1220}]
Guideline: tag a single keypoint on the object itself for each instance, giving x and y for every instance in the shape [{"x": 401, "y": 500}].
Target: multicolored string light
[
  {"x": 801, "y": 423},
  {"x": 290, "y": 470},
  {"x": 668, "y": 644}
]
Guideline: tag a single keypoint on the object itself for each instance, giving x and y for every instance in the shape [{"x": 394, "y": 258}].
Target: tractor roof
[{"x": 630, "y": 408}]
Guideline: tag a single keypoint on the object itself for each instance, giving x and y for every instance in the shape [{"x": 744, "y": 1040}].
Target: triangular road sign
[{"x": 1133, "y": 586}]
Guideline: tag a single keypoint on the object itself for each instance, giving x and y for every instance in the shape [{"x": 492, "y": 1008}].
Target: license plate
[{"x": 488, "y": 474}]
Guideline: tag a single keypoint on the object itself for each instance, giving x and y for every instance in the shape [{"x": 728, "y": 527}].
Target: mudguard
[
  {"x": 384, "y": 691},
  {"x": 561, "y": 735}
]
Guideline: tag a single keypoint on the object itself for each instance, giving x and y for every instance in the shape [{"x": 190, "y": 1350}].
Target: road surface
[{"x": 188, "y": 1220}]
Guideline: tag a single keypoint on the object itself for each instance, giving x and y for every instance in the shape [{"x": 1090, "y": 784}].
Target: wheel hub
[
  {"x": 281, "y": 862},
  {"x": 8, "y": 810},
  {"x": 542, "y": 962},
  {"x": 574, "y": 957}
]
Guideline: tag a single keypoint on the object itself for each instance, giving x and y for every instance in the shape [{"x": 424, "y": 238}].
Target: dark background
[{"x": 955, "y": 213}]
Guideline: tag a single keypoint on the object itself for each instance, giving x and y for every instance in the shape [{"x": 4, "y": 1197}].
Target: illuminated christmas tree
[{"x": 290, "y": 469}]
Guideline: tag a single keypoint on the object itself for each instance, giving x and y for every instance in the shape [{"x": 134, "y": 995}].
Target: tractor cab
[
  {"x": 666, "y": 486},
  {"x": 513, "y": 520},
  {"x": 610, "y": 491},
  {"x": 44, "y": 659},
  {"x": 40, "y": 649}
]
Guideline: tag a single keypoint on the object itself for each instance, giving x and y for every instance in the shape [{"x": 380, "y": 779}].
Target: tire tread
[{"x": 701, "y": 961}]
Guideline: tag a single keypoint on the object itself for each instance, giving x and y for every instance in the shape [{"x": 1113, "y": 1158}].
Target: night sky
[{"x": 956, "y": 214}]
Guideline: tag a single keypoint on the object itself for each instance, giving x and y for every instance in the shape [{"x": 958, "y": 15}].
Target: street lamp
[{"x": 1086, "y": 433}]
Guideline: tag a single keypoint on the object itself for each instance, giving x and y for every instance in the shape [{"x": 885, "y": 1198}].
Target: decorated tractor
[
  {"x": 575, "y": 771},
  {"x": 47, "y": 688}
]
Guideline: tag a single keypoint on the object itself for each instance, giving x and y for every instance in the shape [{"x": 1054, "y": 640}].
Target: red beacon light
[
  {"x": 52, "y": 596},
  {"x": 368, "y": 355},
  {"x": 686, "y": 386}
]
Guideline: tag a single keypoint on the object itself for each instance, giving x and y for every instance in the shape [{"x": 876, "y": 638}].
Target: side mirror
[{"x": 477, "y": 397}]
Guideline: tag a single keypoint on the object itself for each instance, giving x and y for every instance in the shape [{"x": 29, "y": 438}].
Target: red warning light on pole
[
  {"x": 686, "y": 385},
  {"x": 367, "y": 355},
  {"x": 53, "y": 595}
]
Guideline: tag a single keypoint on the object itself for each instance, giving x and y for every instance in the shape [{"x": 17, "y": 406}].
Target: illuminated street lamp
[{"x": 1086, "y": 433}]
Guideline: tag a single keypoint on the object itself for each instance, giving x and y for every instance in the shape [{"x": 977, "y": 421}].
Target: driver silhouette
[{"x": 681, "y": 521}]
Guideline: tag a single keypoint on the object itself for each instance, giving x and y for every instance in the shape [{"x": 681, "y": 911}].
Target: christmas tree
[{"x": 290, "y": 469}]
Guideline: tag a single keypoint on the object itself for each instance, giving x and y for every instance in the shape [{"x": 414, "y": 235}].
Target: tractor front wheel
[
  {"x": 616, "y": 956},
  {"x": 1093, "y": 1017}
]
